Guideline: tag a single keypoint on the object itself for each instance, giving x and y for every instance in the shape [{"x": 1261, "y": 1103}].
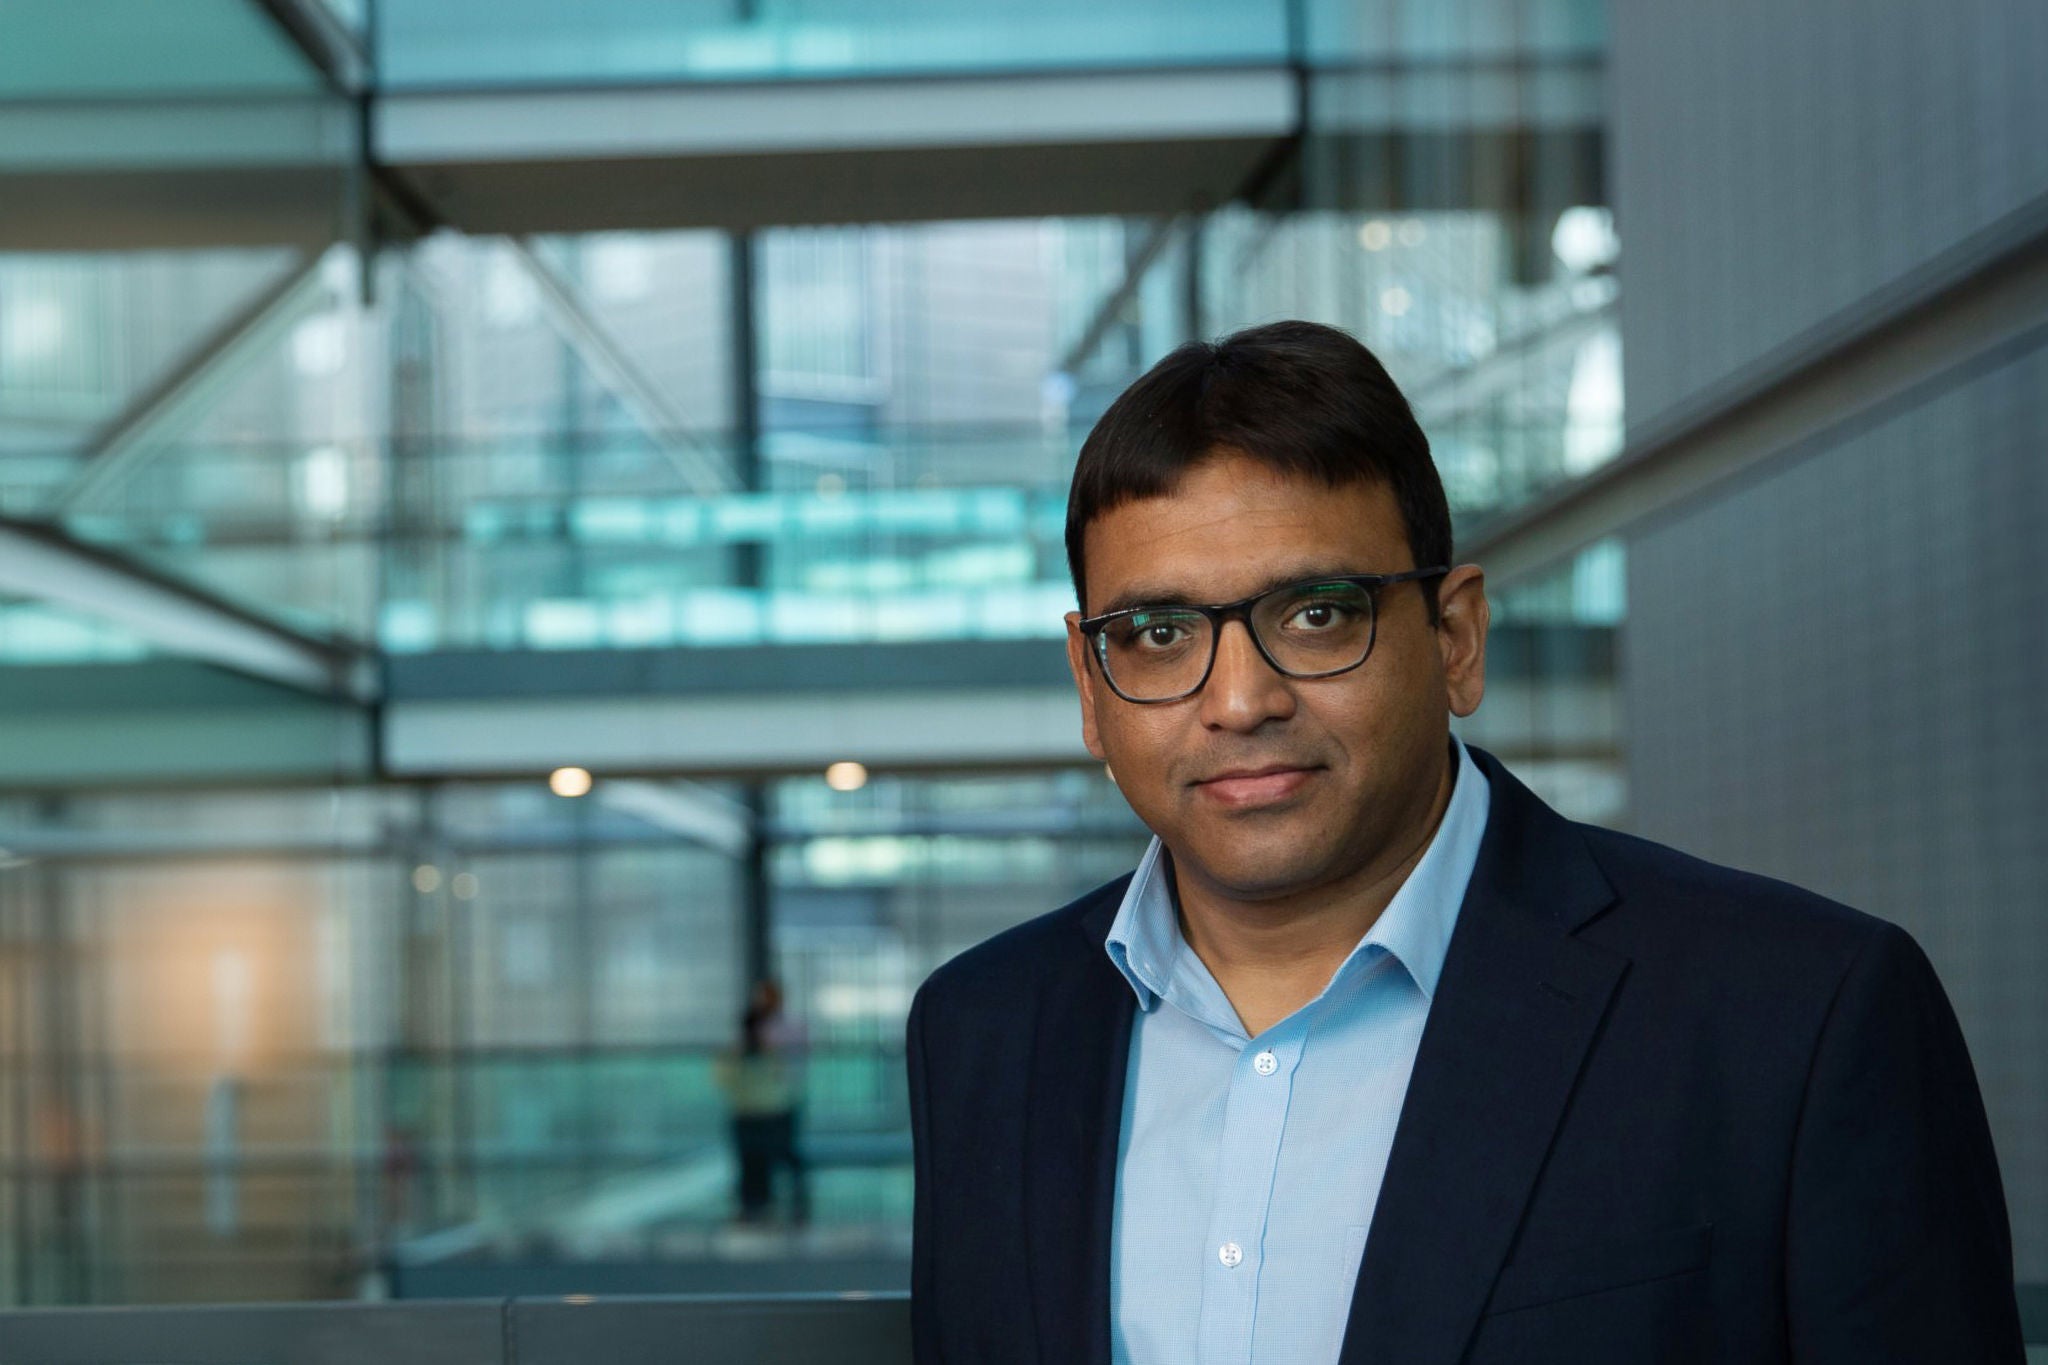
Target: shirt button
[
  {"x": 1230, "y": 1253},
  {"x": 1265, "y": 1063}
]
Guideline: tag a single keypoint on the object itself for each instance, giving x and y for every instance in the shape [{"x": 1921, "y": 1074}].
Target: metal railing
[
  {"x": 788, "y": 1330},
  {"x": 842, "y": 1329}
]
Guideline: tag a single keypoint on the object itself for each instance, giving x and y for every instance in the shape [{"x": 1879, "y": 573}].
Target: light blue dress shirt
[{"x": 1248, "y": 1168}]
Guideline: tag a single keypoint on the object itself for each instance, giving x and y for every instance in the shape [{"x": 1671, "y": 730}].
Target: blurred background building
[{"x": 470, "y": 469}]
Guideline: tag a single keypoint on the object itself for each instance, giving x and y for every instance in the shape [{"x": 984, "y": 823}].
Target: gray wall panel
[
  {"x": 1775, "y": 164},
  {"x": 1834, "y": 675}
]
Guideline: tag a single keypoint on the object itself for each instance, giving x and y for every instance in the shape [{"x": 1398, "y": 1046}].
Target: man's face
[{"x": 1265, "y": 786}]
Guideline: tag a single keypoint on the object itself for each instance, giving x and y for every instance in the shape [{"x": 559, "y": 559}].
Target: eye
[
  {"x": 1315, "y": 614},
  {"x": 1153, "y": 632},
  {"x": 1157, "y": 633}
]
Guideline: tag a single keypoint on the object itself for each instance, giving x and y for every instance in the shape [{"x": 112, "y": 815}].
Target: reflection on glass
[
  {"x": 145, "y": 47},
  {"x": 286, "y": 1044},
  {"x": 919, "y": 412},
  {"x": 484, "y": 42}
]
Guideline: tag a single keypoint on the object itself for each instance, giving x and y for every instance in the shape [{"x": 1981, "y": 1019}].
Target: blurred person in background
[
  {"x": 1375, "y": 1057},
  {"x": 762, "y": 1079}
]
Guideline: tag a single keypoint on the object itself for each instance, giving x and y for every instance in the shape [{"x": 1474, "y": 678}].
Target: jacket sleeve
[
  {"x": 1897, "y": 1244},
  {"x": 923, "y": 1300}
]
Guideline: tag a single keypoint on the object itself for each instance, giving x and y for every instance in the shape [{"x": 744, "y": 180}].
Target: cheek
[
  {"x": 1405, "y": 682},
  {"x": 1371, "y": 726},
  {"x": 1139, "y": 742}
]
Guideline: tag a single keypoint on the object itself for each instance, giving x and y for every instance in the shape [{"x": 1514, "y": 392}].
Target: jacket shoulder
[
  {"x": 1022, "y": 956},
  {"x": 1660, "y": 889}
]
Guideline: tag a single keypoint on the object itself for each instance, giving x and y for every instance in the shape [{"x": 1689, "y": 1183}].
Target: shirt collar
[
  {"x": 1145, "y": 942},
  {"x": 1144, "y": 938}
]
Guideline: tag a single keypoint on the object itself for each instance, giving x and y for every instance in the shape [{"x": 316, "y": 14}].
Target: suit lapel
[
  {"x": 1517, "y": 1006},
  {"x": 1073, "y": 1124}
]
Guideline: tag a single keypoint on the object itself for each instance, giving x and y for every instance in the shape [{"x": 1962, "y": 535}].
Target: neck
[{"x": 1271, "y": 957}]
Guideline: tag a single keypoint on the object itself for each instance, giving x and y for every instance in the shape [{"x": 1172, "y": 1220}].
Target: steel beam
[
  {"x": 737, "y": 736},
  {"x": 450, "y": 128},
  {"x": 698, "y": 466},
  {"x": 42, "y": 564},
  {"x": 1117, "y": 301},
  {"x": 189, "y": 385},
  {"x": 867, "y": 149},
  {"x": 326, "y": 43}
]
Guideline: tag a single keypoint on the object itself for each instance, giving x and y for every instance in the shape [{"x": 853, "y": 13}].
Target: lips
[{"x": 1249, "y": 788}]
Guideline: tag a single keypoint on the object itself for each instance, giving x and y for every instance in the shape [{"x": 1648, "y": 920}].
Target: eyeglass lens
[{"x": 1306, "y": 630}]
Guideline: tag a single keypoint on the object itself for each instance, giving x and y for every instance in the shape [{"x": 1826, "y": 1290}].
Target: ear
[
  {"x": 1084, "y": 683},
  {"x": 1462, "y": 619}
]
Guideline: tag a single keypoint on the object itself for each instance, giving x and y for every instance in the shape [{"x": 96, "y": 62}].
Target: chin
[{"x": 1262, "y": 874}]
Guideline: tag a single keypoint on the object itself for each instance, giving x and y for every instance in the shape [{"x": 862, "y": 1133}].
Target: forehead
[{"x": 1232, "y": 525}]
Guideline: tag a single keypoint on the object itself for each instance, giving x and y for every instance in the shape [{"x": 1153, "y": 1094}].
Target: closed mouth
[{"x": 1268, "y": 770}]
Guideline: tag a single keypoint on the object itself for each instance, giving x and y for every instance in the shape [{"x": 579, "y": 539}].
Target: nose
[{"x": 1243, "y": 691}]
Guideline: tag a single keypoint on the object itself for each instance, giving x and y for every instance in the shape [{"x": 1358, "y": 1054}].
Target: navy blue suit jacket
[{"x": 1662, "y": 1112}]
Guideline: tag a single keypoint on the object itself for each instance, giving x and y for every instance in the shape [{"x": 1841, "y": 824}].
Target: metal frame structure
[
  {"x": 327, "y": 44},
  {"x": 41, "y": 563},
  {"x": 695, "y": 464},
  {"x": 1968, "y": 307},
  {"x": 190, "y": 383}
]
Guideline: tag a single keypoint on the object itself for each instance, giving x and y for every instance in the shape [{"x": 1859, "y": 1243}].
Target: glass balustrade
[{"x": 442, "y": 43}]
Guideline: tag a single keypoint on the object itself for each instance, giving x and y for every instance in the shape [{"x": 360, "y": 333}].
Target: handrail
[
  {"x": 791, "y": 1329},
  {"x": 850, "y": 1329}
]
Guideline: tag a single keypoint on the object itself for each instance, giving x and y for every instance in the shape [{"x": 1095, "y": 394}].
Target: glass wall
[
  {"x": 457, "y": 464},
  {"x": 287, "y": 1045},
  {"x": 1516, "y": 379},
  {"x": 346, "y": 1035},
  {"x": 445, "y": 43}
]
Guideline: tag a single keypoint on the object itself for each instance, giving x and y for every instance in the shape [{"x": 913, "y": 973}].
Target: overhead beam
[
  {"x": 970, "y": 109},
  {"x": 699, "y": 468},
  {"x": 909, "y": 731},
  {"x": 734, "y": 735},
  {"x": 44, "y": 565},
  {"x": 327, "y": 44},
  {"x": 688, "y": 809},
  {"x": 740, "y": 156},
  {"x": 1117, "y": 301},
  {"x": 768, "y": 710},
  {"x": 190, "y": 384},
  {"x": 1985, "y": 298}
]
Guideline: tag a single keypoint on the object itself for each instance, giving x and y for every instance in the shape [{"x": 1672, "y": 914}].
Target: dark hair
[
  {"x": 753, "y": 1030},
  {"x": 1298, "y": 397}
]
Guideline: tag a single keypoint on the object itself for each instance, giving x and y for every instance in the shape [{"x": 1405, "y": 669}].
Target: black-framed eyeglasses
[{"x": 1316, "y": 628}]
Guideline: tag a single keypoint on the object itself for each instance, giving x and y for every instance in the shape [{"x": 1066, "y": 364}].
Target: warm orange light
[
  {"x": 846, "y": 777},
  {"x": 570, "y": 781}
]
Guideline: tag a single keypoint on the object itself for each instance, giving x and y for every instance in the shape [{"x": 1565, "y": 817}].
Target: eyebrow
[{"x": 1145, "y": 596}]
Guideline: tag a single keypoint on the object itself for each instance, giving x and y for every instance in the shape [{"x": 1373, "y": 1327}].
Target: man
[
  {"x": 1376, "y": 1058},
  {"x": 762, "y": 1079}
]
